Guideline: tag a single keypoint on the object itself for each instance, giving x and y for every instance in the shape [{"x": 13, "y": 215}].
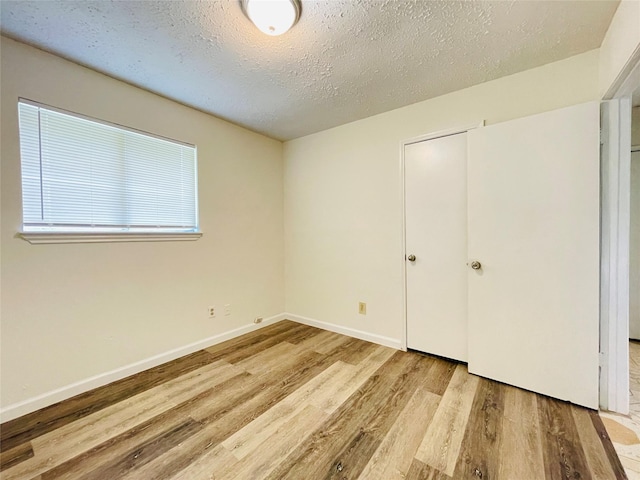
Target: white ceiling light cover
[{"x": 273, "y": 17}]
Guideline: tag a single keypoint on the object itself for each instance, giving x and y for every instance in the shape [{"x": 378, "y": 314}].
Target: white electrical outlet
[
  {"x": 212, "y": 312},
  {"x": 227, "y": 310},
  {"x": 257, "y": 320}
]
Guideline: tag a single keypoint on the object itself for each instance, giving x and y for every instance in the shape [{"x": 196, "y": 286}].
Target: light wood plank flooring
[
  {"x": 294, "y": 402},
  {"x": 624, "y": 430}
]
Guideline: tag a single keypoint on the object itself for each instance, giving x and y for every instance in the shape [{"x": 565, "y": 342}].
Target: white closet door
[
  {"x": 533, "y": 223},
  {"x": 436, "y": 245}
]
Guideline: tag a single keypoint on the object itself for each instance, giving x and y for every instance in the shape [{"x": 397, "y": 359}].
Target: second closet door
[
  {"x": 534, "y": 189},
  {"x": 436, "y": 245}
]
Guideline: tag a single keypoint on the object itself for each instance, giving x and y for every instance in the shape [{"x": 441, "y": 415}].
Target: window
[{"x": 84, "y": 179}]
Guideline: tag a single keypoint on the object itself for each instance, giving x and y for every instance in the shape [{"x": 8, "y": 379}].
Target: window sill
[{"x": 36, "y": 238}]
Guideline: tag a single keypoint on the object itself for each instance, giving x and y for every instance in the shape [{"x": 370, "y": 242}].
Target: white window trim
[{"x": 37, "y": 238}]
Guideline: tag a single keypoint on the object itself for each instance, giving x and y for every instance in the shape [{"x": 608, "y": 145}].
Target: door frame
[
  {"x": 614, "y": 253},
  {"x": 421, "y": 138},
  {"x": 614, "y": 257}
]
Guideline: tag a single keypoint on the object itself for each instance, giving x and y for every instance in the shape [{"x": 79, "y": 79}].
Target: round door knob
[
  {"x": 476, "y": 265},
  {"x": 411, "y": 258}
]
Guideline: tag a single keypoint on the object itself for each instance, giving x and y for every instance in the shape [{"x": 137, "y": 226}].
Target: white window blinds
[{"x": 81, "y": 175}]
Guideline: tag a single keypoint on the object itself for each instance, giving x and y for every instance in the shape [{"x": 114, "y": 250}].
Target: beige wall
[
  {"x": 620, "y": 42},
  {"x": 343, "y": 201},
  {"x": 77, "y": 310}
]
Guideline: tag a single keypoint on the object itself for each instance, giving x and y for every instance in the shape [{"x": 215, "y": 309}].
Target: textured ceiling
[{"x": 345, "y": 59}]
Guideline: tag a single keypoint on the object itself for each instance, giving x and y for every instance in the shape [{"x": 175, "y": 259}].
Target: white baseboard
[
  {"x": 351, "y": 332},
  {"x": 63, "y": 393},
  {"x": 32, "y": 404}
]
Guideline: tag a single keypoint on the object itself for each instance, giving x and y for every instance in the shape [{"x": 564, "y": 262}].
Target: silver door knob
[
  {"x": 476, "y": 265},
  {"x": 411, "y": 258}
]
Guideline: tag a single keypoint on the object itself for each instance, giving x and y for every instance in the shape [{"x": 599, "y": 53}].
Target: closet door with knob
[
  {"x": 533, "y": 233},
  {"x": 436, "y": 245}
]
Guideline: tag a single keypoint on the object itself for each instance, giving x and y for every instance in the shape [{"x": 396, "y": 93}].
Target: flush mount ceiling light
[{"x": 273, "y": 17}]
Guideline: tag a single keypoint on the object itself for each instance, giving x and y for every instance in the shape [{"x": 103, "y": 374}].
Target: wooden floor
[
  {"x": 291, "y": 401},
  {"x": 624, "y": 430}
]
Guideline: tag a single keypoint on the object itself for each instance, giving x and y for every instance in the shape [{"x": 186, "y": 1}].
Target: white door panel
[
  {"x": 533, "y": 223},
  {"x": 436, "y": 233}
]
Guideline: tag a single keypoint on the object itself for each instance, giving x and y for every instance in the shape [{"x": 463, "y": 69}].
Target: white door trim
[
  {"x": 614, "y": 319},
  {"x": 614, "y": 254},
  {"x": 627, "y": 80},
  {"x": 403, "y": 143}
]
